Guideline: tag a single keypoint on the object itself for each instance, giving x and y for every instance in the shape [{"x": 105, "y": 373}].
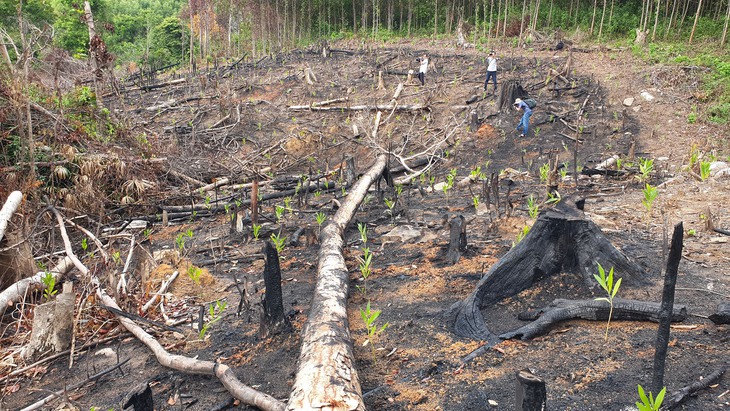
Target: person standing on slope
[
  {"x": 491, "y": 71},
  {"x": 423, "y": 69}
]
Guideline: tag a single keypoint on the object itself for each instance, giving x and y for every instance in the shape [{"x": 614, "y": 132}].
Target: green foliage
[
  {"x": 646, "y": 166},
  {"x": 195, "y": 273},
  {"x": 279, "y": 211},
  {"x": 650, "y": 194},
  {"x": 705, "y": 170},
  {"x": 279, "y": 242},
  {"x": 49, "y": 285},
  {"x": 321, "y": 217},
  {"x": 532, "y": 206},
  {"x": 117, "y": 258},
  {"x": 256, "y": 230},
  {"x": 475, "y": 201},
  {"x": 369, "y": 317},
  {"x": 611, "y": 288},
  {"x": 215, "y": 314},
  {"x": 521, "y": 235},
  {"x": 650, "y": 403},
  {"x": 544, "y": 173},
  {"x": 363, "y": 229},
  {"x": 365, "y": 269}
]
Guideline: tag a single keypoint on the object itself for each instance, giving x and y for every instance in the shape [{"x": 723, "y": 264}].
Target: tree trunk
[
  {"x": 603, "y": 16},
  {"x": 697, "y": 17},
  {"x": 656, "y": 20},
  {"x": 561, "y": 240},
  {"x": 326, "y": 362},
  {"x": 724, "y": 29},
  {"x": 593, "y": 18},
  {"x": 457, "y": 239}
]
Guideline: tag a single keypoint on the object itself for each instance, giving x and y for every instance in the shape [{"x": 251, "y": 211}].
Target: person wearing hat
[
  {"x": 526, "y": 114},
  {"x": 491, "y": 70}
]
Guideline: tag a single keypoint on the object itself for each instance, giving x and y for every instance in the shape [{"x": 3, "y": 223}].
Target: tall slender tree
[{"x": 697, "y": 17}]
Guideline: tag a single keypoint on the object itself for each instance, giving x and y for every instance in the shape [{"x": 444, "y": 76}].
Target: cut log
[
  {"x": 722, "y": 316},
  {"x": 366, "y": 107},
  {"x": 457, "y": 239},
  {"x": 273, "y": 319},
  {"x": 326, "y": 378},
  {"x": 561, "y": 240},
  {"x": 531, "y": 393},
  {"x": 595, "y": 310}
]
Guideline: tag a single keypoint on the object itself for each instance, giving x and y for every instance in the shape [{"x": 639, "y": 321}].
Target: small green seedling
[
  {"x": 256, "y": 230},
  {"x": 363, "y": 229},
  {"x": 475, "y": 200},
  {"x": 279, "y": 211},
  {"x": 650, "y": 403},
  {"x": 365, "y": 269},
  {"x": 216, "y": 314},
  {"x": 195, "y": 273},
  {"x": 321, "y": 217},
  {"x": 611, "y": 288},
  {"x": 369, "y": 317},
  {"x": 49, "y": 285},
  {"x": 532, "y": 207},
  {"x": 521, "y": 235},
  {"x": 646, "y": 166},
  {"x": 650, "y": 194},
  {"x": 117, "y": 258},
  {"x": 705, "y": 170},
  {"x": 544, "y": 173},
  {"x": 278, "y": 241}
]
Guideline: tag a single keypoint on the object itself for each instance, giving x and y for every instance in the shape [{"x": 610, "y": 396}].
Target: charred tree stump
[
  {"x": 722, "y": 316},
  {"x": 457, "y": 240},
  {"x": 474, "y": 121},
  {"x": 670, "y": 282},
  {"x": 510, "y": 90},
  {"x": 531, "y": 392},
  {"x": 561, "y": 240},
  {"x": 273, "y": 319},
  {"x": 596, "y": 310},
  {"x": 140, "y": 399},
  {"x": 52, "y": 326}
]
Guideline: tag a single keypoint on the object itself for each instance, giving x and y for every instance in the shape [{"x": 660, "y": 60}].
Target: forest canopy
[{"x": 158, "y": 33}]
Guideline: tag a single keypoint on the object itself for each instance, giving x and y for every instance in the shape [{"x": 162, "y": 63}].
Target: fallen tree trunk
[
  {"x": 17, "y": 291},
  {"x": 561, "y": 240},
  {"x": 682, "y": 394},
  {"x": 326, "y": 378},
  {"x": 596, "y": 310},
  {"x": 364, "y": 107}
]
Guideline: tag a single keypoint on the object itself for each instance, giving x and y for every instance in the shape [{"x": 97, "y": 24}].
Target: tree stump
[
  {"x": 531, "y": 392},
  {"x": 510, "y": 90},
  {"x": 52, "y": 326},
  {"x": 474, "y": 121},
  {"x": 140, "y": 399},
  {"x": 273, "y": 320},
  {"x": 457, "y": 239},
  {"x": 561, "y": 240}
]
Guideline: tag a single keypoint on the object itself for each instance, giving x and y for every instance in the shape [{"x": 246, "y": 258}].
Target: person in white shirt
[
  {"x": 491, "y": 71},
  {"x": 423, "y": 69}
]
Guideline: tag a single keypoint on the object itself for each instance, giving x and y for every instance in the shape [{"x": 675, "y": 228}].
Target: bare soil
[{"x": 417, "y": 361}]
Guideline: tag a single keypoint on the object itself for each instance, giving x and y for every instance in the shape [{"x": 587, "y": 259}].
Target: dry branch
[
  {"x": 326, "y": 378},
  {"x": 365, "y": 107},
  {"x": 11, "y": 204}
]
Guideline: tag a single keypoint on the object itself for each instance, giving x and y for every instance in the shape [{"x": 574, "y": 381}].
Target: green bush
[{"x": 719, "y": 113}]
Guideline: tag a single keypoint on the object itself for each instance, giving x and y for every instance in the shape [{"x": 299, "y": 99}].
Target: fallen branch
[
  {"x": 682, "y": 394},
  {"x": 11, "y": 204},
  {"x": 596, "y": 310},
  {"x": 162, "y": 290},
  {"x": 16, "y": 291},
  {"x": 38, "y": 404},
  {"x": 364, "y": 107}
]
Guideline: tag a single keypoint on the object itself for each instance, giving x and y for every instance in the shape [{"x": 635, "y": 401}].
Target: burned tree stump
[
  {"x": 531, "y": 392},
  {"x": 52, "y": 326},
  {"x": 510, "y": 90},
  {"x": 561, "y": 240},
  {"x": 273, "y": 319},
  {"x": 140, "y": 399},
  {"x": 457, "y": 239}
]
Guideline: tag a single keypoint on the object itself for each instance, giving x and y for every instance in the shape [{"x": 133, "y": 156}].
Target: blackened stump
[
  {"x": 273, "y": 320},
  {"x": 531, "y": 392},
  {"x": 561, "y": 240},
  {"x": 457, "y": 239}
]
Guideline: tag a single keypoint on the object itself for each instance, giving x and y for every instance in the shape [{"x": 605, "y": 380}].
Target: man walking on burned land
[
  {"x": 526, "y": 114},
  {"x": 491, "y": 71}
]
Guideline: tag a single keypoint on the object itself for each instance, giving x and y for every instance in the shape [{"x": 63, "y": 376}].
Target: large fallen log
[
  {"x": 326, "y": 378},
  {"x": 364, "y": 107},
  {"x": 561, "y": 240},
  {"x": 596, "y": 310}
]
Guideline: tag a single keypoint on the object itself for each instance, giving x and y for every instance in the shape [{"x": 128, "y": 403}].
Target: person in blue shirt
[{"x": 526, "y": 114}]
